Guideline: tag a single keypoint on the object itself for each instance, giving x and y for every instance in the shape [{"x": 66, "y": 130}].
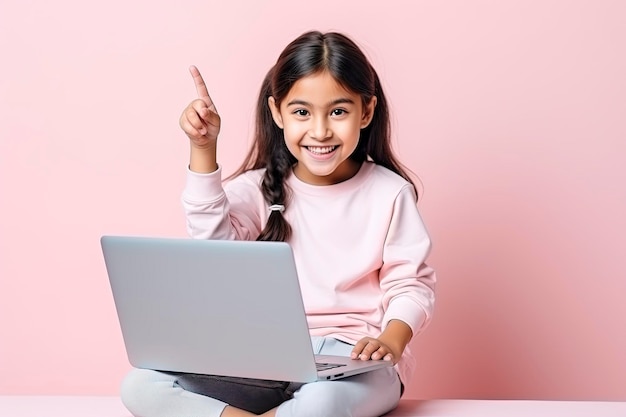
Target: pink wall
[{"x": 512, "y": 113}]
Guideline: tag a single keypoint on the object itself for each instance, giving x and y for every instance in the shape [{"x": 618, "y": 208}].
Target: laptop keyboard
[{"x": 325, "y": 366}]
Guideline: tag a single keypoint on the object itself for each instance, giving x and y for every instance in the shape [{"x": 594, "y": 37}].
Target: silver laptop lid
[{"x": 174, "y": 299}]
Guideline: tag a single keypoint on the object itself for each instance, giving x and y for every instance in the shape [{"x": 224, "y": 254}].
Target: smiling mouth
[{"x": 321, "y": 150}]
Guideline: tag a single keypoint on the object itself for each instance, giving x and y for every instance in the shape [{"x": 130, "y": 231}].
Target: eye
[
  {"x": 338, "y": 112},
  {"x": 301, "y": 112}
]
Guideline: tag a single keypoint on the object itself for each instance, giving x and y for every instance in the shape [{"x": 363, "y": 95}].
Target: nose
[{"x": 319, "y": 129}]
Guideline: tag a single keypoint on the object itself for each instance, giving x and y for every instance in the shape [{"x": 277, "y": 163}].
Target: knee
[
  {"x": 135, "y": 391},
  {"x": 332, "y": 403},
  {"x": 317, "y": 401},
  {"x": 367, "y": 395}
]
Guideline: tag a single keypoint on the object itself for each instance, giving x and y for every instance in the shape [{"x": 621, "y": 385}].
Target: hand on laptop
[
  {"x": 388, "y": 346},
  {"x": 371, "y": 348}
]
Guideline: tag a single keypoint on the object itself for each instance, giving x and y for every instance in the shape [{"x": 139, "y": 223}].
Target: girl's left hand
[{"x": 371, "y": 348}]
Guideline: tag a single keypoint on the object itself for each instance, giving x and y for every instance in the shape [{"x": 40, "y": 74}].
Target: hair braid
[{"x": 275, "y": 191}]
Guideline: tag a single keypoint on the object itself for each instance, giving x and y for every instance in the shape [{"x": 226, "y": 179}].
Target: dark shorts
[{"x": 254, "y": 395}]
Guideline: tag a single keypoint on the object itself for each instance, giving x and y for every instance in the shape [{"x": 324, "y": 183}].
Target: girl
[{"x": 321, "y": 175}]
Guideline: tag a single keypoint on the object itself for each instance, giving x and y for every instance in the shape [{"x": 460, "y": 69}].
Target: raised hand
[{"x": 200, "y": 120}]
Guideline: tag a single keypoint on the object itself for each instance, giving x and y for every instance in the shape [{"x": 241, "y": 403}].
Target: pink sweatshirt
[{"x": 360, "y": 246}]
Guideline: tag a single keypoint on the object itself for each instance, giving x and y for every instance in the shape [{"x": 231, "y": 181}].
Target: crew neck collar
[{"x": 354, "y": 182}]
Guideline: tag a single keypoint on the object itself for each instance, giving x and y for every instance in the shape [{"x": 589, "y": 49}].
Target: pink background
[{"x": 511, "y": 112}]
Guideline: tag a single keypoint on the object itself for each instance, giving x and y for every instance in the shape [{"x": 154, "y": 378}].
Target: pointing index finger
[{"x": 203, "y": 92}]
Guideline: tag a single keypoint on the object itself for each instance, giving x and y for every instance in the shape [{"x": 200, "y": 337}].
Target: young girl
[{"x": 321, "y": 175}]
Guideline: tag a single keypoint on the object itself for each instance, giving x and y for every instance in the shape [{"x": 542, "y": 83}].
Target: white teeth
[{"x": 321, "y": 150}]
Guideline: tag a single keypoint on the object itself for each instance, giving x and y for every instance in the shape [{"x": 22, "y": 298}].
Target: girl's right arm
[
  {"x": 210, "y": 213},
  {"x": 201, "y": 123}
]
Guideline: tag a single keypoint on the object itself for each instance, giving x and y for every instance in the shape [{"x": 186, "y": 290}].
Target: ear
[
  {"x": 368, "y": 112},
  {"x": 278, "y": 118}
]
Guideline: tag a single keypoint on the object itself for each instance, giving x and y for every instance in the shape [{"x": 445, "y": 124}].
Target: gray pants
[{"x": 148, "y": 393}]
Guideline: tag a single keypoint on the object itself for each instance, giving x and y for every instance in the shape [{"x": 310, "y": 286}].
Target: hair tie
[{"x": 277, "y": 207}]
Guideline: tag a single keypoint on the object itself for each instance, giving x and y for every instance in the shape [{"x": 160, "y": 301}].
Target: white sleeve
[
  {"x": 407, "y": 281},
  {"x": 213, "y": 211}
]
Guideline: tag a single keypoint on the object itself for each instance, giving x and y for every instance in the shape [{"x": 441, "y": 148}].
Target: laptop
[{"x": 217, "y": 307}]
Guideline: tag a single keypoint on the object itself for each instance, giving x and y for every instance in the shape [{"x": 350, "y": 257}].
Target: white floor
[{"x": 77, "y": 406}]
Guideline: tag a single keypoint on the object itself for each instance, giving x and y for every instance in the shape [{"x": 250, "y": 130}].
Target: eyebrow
[{"x": 332, "y": 103}]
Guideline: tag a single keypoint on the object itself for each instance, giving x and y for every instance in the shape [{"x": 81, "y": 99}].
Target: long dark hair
[{"x": 311, "y": 53}]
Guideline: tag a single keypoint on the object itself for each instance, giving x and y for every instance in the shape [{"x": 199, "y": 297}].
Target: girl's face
[{"x": 322, "y": 122}]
